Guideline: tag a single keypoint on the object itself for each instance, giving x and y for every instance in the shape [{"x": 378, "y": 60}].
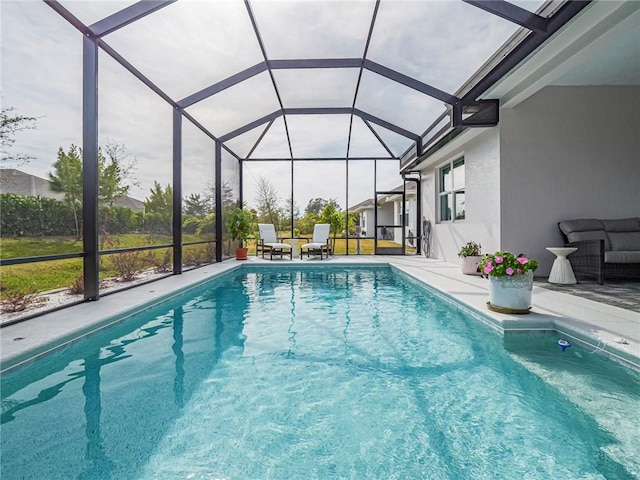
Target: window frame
[{"x": 451, "y": 193}]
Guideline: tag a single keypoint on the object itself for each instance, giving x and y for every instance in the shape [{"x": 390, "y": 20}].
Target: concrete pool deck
[{"x": 611, "y": 330}]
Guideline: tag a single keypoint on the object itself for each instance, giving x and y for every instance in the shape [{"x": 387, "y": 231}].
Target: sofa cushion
[
  {"x": 582, "y": 225},
  {"x": 621, "y": 257},
  {"x": 624, "y": 241},
  {"x": 593, "y": 235},
  {"x": 622, "y": 225}
]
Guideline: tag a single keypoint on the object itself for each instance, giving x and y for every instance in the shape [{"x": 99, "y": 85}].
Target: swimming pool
[{"x": 271, "y": 372}]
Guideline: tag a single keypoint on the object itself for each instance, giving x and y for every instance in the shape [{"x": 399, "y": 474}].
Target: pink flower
[
  {"x": 519, "y": 271},
  {"x": 522, "y": 260},
  {"x": 509, "y": 271},
  {"x": 499, "y": 259},
  {"x": 488, "y": 269},
  {"x": 489, "y": 264}
]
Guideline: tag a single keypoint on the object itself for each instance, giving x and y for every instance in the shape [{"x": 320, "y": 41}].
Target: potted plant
[
  {"x": 510, "y": 281},
  {"x": 240, "y": 225},
  {"x": 471, "y": 257}
]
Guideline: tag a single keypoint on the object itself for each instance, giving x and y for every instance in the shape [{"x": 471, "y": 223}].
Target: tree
[
  {"x": 67, "y": 178},
  {"x": 159, "y": 209},
  {"x": 229, "y": 202},
  {"x": 115, "y": 172},
  {"x": 315, "y": 206},
  {"x": 10, "y": 124},
  {"x": 268, "y": 202},
  {"x": 115, "y": 175},
  {"x": 333, "y": 216},
  {"x": 291, "y": 208},
  {"x": 313, "y": 213},
  {"x": 195, "y": 205},
  {"x": 160, "y": 200},
  {"x": 351, "y": 223}
]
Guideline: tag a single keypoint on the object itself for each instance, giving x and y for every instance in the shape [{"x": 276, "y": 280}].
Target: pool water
[{"x": 318, "y": 373}]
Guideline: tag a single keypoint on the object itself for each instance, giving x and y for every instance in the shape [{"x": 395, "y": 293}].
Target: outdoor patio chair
[
  {"x": 319, "y": 243},
  {"x": 268, "y": 242}
]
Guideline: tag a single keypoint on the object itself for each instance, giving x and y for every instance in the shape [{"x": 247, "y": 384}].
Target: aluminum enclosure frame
[{"x": 539, "y": 30}]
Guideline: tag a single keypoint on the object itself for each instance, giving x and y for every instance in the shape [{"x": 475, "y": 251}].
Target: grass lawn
[{"x": 44, "y": 276}]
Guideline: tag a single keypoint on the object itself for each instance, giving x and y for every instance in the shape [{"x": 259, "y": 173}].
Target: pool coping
[
  {"x": 589, "y": 323},
  {"x": 552, "y": 312}
]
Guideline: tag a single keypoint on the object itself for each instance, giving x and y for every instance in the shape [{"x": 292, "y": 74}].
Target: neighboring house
[
  {"x": 364, "y": 216},
  {"x": 21, "y": 183},
  {"x": 567, "y": 144},
  {"x": 390, "y": 212}
]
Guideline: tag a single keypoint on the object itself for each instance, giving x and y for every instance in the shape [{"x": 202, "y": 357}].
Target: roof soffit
[{"x": 595, "y": 38}]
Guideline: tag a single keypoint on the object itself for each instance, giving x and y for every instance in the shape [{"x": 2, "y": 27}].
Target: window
[{"x": 451, "y": 191}]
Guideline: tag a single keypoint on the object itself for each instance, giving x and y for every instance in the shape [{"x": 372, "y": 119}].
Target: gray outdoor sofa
[{"x": 606, "y": 248}]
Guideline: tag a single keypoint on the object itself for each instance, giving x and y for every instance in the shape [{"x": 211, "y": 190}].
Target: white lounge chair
[
  {"x": 268, "y": 242},
  {"x": 319, "y": 243}
]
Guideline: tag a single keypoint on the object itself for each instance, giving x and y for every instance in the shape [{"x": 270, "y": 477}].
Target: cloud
[
  {"x": 317, "y": 87},
  {"x": 190, "y": 45},
  {"x": 441, "y": 43},
  {"x": 237, "y": 106},
  {"x": 313, "y": 29}
]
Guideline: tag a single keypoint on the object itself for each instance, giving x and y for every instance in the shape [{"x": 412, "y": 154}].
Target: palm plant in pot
[
  {"x": 240, "y": 226},
  {"x": 510, "y": 281},
  {"x": 471, "y": 257}
]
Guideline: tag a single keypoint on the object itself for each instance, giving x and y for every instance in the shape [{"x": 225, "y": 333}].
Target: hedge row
[
  {"x": 35, "y": 216},
  {"x": 22, "y": 216}
]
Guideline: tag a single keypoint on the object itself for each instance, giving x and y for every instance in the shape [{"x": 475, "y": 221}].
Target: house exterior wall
[
  {"x": 385, "y": 217},
  {"x": 566, "y": 153},
  {"x": 368, "y": 223},
  {"x": 20, "y": 183},
  {"x": 482, "y": 196}
]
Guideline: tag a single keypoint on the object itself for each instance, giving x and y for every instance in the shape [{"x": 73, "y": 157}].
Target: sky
[{"x": 191, "y": 44}]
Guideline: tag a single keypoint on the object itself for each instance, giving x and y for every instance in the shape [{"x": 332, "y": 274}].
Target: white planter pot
[
  {"x": 469, "y": 265},
  {"x": 513, "y": 293}
]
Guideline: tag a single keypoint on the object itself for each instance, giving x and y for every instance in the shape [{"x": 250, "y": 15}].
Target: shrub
[
  {"x": 190, "y": 224},
  {"x": 24, "y": 216},
  {"x": 128, "y": 265},
  {"x": 18, "y": 300},
  {"x": 162, "y": 265},
  {"x": 77, "y": 287},
  {"x": 207, "y": 224},
  {"x": 157, "y": 223},
  {"x": 199, "y": 255},
  {"x": 114, "y": 220}
]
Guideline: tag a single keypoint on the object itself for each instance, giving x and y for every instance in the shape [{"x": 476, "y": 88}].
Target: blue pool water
[{"x": 278, "y": 373}]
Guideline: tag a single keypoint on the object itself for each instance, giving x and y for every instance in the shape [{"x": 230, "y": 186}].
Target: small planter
[
  {"x": 469, "y": 264},
  {"x": 511, "y": 294},
  {"x": 241, "y": 253}
]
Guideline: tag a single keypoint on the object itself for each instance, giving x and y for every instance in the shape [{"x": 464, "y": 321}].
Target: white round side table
[
  {"x": 561, "y": 271},
  {"x": 294, "y": 245}
]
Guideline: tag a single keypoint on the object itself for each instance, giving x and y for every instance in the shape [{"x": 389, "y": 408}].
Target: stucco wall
[
  {"x": 482, "y": 197},
  {"x": 567, "y": 152}
]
